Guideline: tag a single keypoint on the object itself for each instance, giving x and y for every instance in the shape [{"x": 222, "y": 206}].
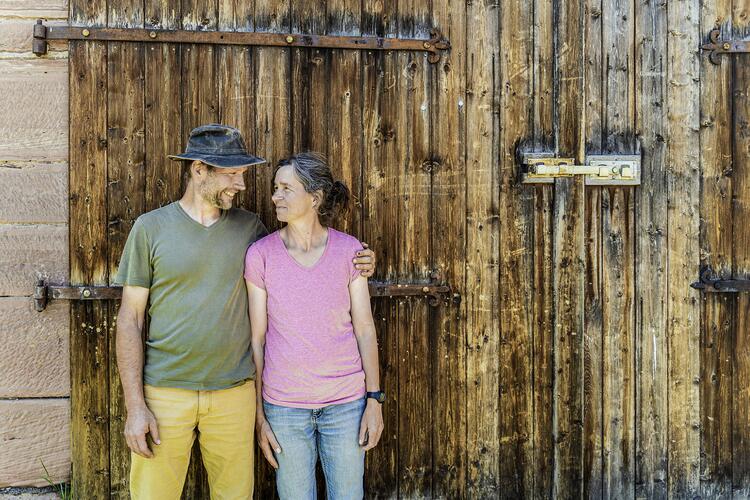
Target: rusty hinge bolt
[
  {"x": 39, "y": 45},
  {"x": 40, "y": 296}
]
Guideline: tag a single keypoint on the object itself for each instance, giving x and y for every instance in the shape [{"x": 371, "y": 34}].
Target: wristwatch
[{"x": 378, "y": 396}]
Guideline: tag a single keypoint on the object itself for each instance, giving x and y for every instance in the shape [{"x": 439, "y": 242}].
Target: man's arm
[{"x": 130, "y": 320}]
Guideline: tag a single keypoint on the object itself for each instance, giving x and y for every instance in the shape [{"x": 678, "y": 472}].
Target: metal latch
[
  {"x": 709, "y": 282},
  {"x": 598, "y": 169},
  {"x": 433, "y": 291},
  {"x": 718, "y": 46}
]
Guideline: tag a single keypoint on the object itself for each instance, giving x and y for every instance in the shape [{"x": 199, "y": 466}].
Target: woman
[{"x": 313, "y": 339}]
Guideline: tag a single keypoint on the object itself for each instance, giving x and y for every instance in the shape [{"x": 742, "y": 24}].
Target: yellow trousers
[{"x": 224, "y": 422}]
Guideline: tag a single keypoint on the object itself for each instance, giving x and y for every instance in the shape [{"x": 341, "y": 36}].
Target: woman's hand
[
  {"x": 267, "y": 440},
  {"x": 371, "y": 427}
]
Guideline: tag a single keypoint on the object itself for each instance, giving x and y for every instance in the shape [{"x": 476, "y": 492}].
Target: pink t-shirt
[{"x": 311, "y": 356}]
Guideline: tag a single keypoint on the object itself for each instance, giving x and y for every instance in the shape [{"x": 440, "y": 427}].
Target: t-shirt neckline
[
  {"x": 317, "y": 262},
  {"x": 222, "y": 217}
]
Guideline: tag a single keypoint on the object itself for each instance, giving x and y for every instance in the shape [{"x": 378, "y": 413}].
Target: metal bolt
[
  {"x": 85, "y": 32},
  {"x": 87, "y": 293},
  {"x": 152, "y": 34},
  {"x": 289, "y": 39},
  {"x": 726, "y": 46},
  {"x": 427, "y": 45},
  {"x": 425, "y": 289}
]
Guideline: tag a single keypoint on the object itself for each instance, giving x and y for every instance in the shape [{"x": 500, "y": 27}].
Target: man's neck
[{"x": 198, "y": 209}]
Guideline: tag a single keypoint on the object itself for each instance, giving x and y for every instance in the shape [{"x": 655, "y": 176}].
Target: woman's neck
[{"x": 304, "y": 234}]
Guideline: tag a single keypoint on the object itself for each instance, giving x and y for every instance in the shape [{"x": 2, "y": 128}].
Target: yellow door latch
[{"x": 597, "y": 170}]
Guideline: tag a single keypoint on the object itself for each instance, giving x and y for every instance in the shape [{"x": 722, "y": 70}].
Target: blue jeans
[{"x": 331, "y": 432}]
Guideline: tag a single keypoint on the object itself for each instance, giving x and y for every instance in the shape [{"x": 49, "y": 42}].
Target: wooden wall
[
  {"x": 578, "y": 362},
  {"x": 34, "y": 353}
]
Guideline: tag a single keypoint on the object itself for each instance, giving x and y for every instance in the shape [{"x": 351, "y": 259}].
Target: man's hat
[{"x": 219, "y": 146}]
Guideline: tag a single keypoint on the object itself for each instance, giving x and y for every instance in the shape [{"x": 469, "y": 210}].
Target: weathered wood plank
[
  {"x": 568, "y": 255},
  {"x": 273, "y": 141},
  {"x": 34, "y": 432},
  {"x": 482, "y": 250},
  {"x": 199, "y": 79},
  {"x": 618, "y": 256},
  {"x": 35, "y": 109},
  {"x": 593, "y": 390},
  {"x": 33, "y": 193},
  {"x": 717, "y": 314},
  {"x": 651, "y": 249},
  {"x": 412, "y": 137},
  {"x": 449, "y": 257},
  {"x": 543, "y": 306},
  {"x": 683, "y": 253},
  {"x": 345, "y": 109},
  {"x": 236, "y": 93},
  {"x": 126, "y": 182},
  {"x": 310, "y": 80},
  {"x": 34, "y": 353},
  {"x": 31, "y": 252},
  {"x": 273, "y": 113},
  {"x": 163, "y": 117},
  {"x": 380, "y": 219},
  {"x": 618, "y": 370},
  {"x": 516, "y": 233},
  {"x": 89, "y": 347},
  {"x": 741, "y": 266},
  {"x": 31, "y": 9}
]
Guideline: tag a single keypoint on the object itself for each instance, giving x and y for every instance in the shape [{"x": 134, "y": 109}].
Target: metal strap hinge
[
  {"x": 719, "y": 46},
  {"x": 598, "y": 169},
  {"x": 43, "y": 292},
  {"x": 709, "y": 282},
  {"x": 434, "y": 45}
]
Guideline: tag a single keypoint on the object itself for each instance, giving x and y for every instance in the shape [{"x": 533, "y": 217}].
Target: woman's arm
[
  {"x": 256, "y": 299},
  {"x": 364, "y": 329}
]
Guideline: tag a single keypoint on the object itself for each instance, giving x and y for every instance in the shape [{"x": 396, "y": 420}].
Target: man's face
[{"x": 220, "y": 185}]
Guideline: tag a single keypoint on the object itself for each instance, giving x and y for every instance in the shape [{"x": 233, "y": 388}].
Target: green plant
[{"x": 64, "y": 490}]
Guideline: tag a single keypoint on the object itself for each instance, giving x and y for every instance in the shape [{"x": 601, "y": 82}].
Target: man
[{"x": 184, "y": 262}]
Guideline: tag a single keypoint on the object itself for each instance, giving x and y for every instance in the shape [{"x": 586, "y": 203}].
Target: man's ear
[{"x": 198, "y": 168}]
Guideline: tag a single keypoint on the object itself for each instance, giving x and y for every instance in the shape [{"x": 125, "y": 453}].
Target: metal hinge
[
  {"x": 718, "y": 46},
  {"x": 433, "y": 291},
  {"x": 598, "y": 169},
  {"x": 433, "y": 45},
  {"x": 709, "y": 282}
]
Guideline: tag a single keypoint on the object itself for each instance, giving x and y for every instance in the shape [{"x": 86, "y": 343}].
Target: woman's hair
[{"x": 313, "y": 172}]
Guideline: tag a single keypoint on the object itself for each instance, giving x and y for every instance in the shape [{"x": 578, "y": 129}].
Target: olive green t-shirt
[{"x": 199, "y": 331}]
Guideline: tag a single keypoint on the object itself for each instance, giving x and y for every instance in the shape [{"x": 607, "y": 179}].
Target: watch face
[{"x": 381, "y": 397}]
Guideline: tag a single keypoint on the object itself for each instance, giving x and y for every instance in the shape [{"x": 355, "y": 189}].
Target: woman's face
[{"x": 289, "y": 196}]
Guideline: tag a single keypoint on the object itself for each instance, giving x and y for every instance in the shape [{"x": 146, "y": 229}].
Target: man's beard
[{"x": 213, "y": 197}]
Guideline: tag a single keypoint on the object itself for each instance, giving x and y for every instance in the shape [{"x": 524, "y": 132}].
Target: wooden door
[
  {"x": 725, "y": 246},
  {"x": 373, "y": 114}
]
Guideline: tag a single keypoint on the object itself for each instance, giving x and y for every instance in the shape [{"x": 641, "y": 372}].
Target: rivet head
[
  {"x": 289, "y": 39},
  {"x": 87, "y": 293},
  {"x": 427, "y": 45},
  {"x": 726, "y": 46},
  {"x": 152, "y": 34},
  {"x": 425, "y": 289},
  {"x": 85, "y": 32}
]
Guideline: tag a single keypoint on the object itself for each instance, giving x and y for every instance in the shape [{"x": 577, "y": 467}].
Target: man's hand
[
  {"x": 371, "y": 427},
  {"x": 267, "y": 440},
  {"x": 139, "y": 423},
  {"x": 365, "y": 261}
]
